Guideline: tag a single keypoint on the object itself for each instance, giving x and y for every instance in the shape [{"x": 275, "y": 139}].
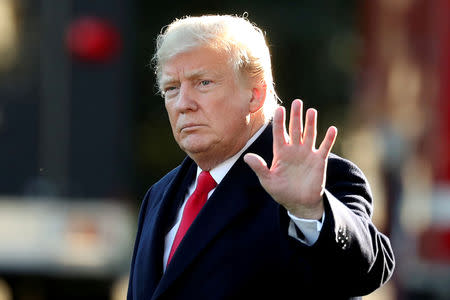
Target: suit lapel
[
  {"x": 232, "y": 197},
  {"x": 162, "y": 217}
]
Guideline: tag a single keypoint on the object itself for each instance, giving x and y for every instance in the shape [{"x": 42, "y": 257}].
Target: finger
[
  {"x": 279, "y": 128},
  {"x": 310, "y": 133},
  {"x": 328, "y": 142},
  {"x": 258, "y": 165},
  {"x": 295, "y": 122}
]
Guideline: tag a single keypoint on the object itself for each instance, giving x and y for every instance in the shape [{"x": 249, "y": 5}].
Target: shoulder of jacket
[{"x": 336, "y": 162}]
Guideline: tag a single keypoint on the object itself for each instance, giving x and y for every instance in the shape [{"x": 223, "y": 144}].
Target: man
[{"x": 298, "y": 229}]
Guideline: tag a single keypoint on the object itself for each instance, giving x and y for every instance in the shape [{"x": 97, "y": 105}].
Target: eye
[
  {"x": 169, "y": 89},
  {"x": 205, "y": 82}
]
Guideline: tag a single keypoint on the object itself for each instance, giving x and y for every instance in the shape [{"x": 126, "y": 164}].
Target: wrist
[{"x": 308, "y": 212}]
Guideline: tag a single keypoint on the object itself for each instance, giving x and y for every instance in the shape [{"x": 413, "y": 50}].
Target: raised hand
[{"x": 297, "y": 176}]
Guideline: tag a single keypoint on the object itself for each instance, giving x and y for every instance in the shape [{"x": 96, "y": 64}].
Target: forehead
[{"x": 197, "y": 62}]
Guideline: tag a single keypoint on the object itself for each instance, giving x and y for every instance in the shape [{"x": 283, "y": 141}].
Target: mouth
[{"x": 190, "y": 127}]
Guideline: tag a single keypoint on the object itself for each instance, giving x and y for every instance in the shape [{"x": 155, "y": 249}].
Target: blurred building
[{"x": 401, "y": 136}]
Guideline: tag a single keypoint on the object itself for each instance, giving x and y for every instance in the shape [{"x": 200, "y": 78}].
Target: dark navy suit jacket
[{"x": 238, "y": 247}]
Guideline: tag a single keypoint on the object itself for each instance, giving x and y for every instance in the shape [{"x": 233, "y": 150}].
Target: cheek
[
  {"x": 172, "y": 116},
  {"x": 232, "y": 123},
  {"x": 169, "y": 109}
]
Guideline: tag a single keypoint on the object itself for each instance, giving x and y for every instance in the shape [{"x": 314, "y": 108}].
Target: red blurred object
[
  {"x": 442, "y": 164},
  {"x": 434, "y": 244},
  {"x": 92, "y": 39}
]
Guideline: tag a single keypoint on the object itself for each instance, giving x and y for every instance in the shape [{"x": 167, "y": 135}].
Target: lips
[{"x": 190, "y": 126}]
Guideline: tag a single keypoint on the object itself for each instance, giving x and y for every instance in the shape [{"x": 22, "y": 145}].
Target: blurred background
[{"x": 83, "y": 133}]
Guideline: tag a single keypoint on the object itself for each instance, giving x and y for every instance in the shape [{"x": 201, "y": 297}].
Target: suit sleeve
[
  {"x": 141, "y": 219},
  {"x": 352, "y": 253}
]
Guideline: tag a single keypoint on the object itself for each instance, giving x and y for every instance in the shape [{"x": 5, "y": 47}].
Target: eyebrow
[{"x": 168, "y": 79}]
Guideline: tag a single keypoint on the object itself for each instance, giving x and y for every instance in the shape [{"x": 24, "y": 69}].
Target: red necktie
[{"x": 193, "y": 206}]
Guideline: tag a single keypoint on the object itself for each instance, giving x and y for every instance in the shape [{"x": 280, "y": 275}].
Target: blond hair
[{"x": 241, "y": 40}]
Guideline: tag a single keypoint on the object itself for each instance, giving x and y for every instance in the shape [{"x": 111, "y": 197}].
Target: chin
[{"x": 194, "y": 147}]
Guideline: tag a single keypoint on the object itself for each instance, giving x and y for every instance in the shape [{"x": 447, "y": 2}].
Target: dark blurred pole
[
  {"x": 101, "y": 102},
  {"x": 85, "y": 110},
  {"x": 54, "y": 124}
]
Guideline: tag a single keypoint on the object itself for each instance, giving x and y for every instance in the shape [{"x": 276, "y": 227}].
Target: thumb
[{"x": 257, "y": 164}]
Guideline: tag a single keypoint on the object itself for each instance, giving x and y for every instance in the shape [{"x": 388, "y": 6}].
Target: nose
[{"x": 186, "y": 99}]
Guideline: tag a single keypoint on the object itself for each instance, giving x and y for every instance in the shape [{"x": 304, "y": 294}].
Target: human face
[{"x": 208, "y": 107}]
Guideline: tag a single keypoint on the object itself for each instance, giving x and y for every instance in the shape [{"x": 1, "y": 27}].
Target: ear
[{"x": 258, "y": 97}]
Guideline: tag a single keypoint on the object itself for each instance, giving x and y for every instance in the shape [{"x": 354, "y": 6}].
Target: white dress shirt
[{"x": 310, "y": 228}]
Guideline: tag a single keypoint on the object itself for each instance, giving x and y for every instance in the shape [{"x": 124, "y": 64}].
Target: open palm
[{"x": 297, "y": 176}]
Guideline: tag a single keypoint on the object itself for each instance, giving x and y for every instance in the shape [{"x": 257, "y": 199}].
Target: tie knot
[{"x": 205, "y": 182}]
